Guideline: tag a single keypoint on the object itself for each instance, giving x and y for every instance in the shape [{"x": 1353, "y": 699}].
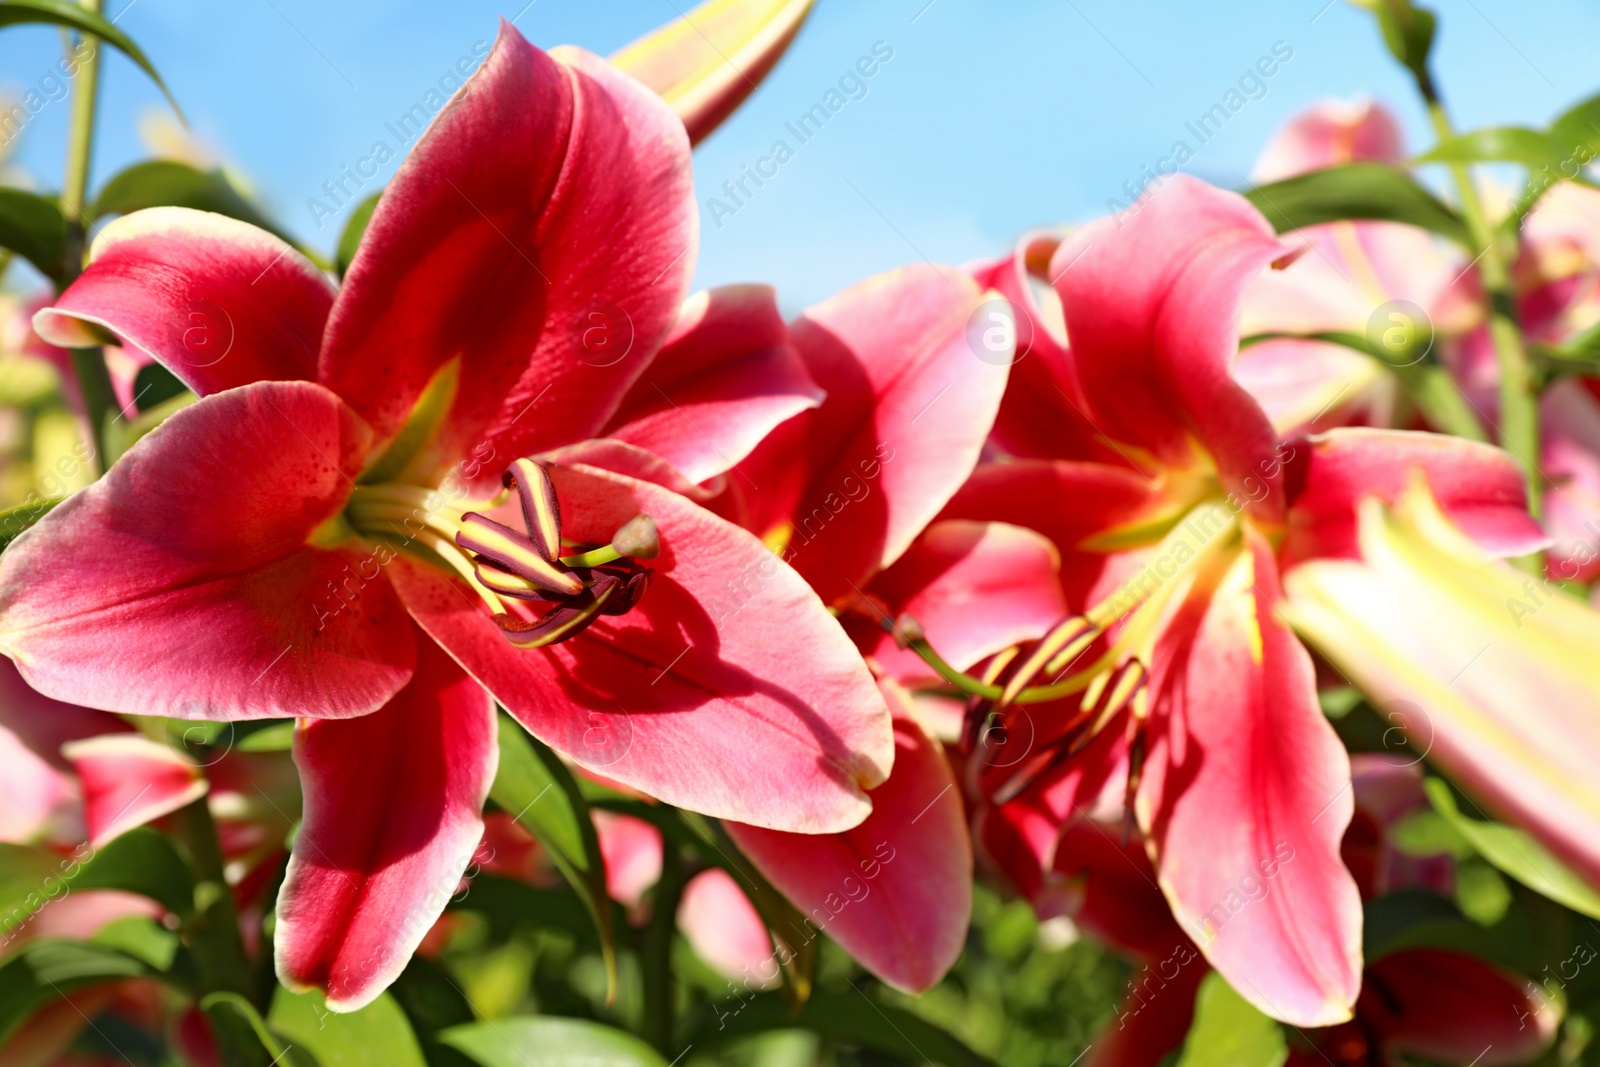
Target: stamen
[
  {"x": 1079, "y": 732},
  {"x": 611, "y": 592},
  {"x": 1065, "y": 642},
  {"x": 503, "y": 565},
  {"x": 540, "y": 508},
  {"x": 516, "y": 553}
]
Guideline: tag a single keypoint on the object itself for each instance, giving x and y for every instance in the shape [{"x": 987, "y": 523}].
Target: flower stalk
[{"x": 88, "y": 364}]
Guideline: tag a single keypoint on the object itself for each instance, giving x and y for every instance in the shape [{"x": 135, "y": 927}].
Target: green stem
[
  {"x": 89, "y": 364},
  {"x": 655, "y": 952},
  {"x": 966, "y": 683},
  {"x": 1519, "y": 393},
  {"x": 212, "y": 933}
]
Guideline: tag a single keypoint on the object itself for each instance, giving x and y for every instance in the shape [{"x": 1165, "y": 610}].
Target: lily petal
[
  {"x": 724, "y": 379},
  {"x": 1042, "y": 413},
  {"x": 1309, "y": 386},
  {"x": 632, "y": 851},
  {"x": 1480, "y": 487},
  {"x": 896, "y": 891},
  {"x": 975, "y": 587},
  {"x": 37, "y": 792},
  {"x": 1152, "y": 306},
  {"x": 908, "y": 407},
  {"x": 704, "y": 63},
  {"x": 1451, "y": 1008},
  {"x": 726, "y": 930},
  {"x": 1329, "y": 134},
  {"x": 393, "y": 816},
  {"x": 129, "y": 780},
  {"x": 728, "y": 690},
  {"x": 193, "y": 550},
  {"x": 582, "y": 260},
  {"x": 1496, "y": 669},
  {"x": 218, "y": 302},
  {"x": 1246, "y": 795},
  {"x": 1067, "y": 501}
]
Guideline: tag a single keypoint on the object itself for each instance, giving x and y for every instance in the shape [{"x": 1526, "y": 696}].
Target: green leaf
[
  {"x": 848, "y": 1017},
  {"x": 1390, "y": 919},
  {"x": 34, "y": 228},
  {"x": 143, "y": 939},
  {"x": 1510, "y": 144},
  {"x": 509, "y": 904},
  {"x": 355, "y": 226},
  {"x": 1427, "y": 833},
  {"x": 77, "y": 17},
  {"x": 539, "y": 791},
  {"x": 145, "y": 862},
  {"x": 547, "y": 1041},
  {"x": 48, "y": 970},
  {"x": 1516, "y": 853},
  {"x": 1229, "y": 1032},
  {"x": 68, "y": 962},
  {"x": 433, "y": 1002},
  {"x": 169, "y": 183},
  {"x": 1579, "y": 124},
  {"x": 29, "y": 878},
  {"x": 1356, "y": 191},
  {"x": 281, "y": 1051},
  {"x": 376, "y": 1036},
  {"x": 277, "y": 737},
  {"x": 1481, "y": 891}
]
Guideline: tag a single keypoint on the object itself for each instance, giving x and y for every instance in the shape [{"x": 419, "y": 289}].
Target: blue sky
[{"x": 990, "y": 118}]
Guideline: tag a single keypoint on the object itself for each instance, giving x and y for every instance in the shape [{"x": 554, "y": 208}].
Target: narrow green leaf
[
  {"x": 1229, "y": 1032},
  {"x": 1356, "y": 191},
  {"x": 540, "y": 792},
  {"x": 354, "y": 228},
  {"x": 76, "y": 17},
  {"x": 1509, "y": 144},
  {"x": 376, "y": 1036},
  {"x": 1579, "y": 124},
  {"x": 277, "y": 737},
  {"x": 281, "y": 1051},
  {"x": 143, "y": 939},
  {"x": 547, "y": 1041},
  {"x": 851, "y": 1018},
  {"x": 1517, "y": 853},
  {"x": 169, "y": 183},
  {"x": 67, "y": 962},
  {"x": 34, "y": 228},
  {"x": 29, "y": 878}
]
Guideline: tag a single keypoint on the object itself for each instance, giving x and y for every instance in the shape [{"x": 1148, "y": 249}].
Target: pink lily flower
[
  {"x": 1354, "y": 269},
  {"x": 845, "y": 493},
  {"x": 313, "y": 537},
  {"x": 1172, "y": 555},
  {"x": 1349, "y": 272},
  {"x": 1442, "y": 1005}
]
